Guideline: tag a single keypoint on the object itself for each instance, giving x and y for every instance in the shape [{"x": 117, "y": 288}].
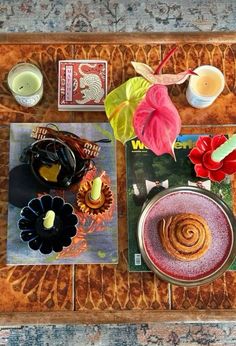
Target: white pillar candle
[
  {"x": 224, "y": 149},
  {"x": 206, "y": 87},
  {"x": 26, "y": 84}
]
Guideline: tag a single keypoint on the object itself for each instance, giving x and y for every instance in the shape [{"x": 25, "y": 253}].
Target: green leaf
[{"x": 120, "y": 105}]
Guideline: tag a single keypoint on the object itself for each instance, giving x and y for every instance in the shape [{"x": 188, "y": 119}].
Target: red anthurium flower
[
  {"x": 205, "y": 167},
  {"x": 156, "y": 121}
]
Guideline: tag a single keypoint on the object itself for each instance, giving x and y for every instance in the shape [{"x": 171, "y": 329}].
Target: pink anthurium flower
[
  {"x": 156, "y": 121},
  {"x": 205, "y": 167},
  {"x": 141, "y": 106}
]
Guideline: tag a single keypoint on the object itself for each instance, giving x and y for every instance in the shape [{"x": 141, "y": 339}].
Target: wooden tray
[{"x": 109, "y": 293}]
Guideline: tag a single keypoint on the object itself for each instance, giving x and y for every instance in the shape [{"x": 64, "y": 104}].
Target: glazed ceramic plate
[{"x": 220, "y": 220}]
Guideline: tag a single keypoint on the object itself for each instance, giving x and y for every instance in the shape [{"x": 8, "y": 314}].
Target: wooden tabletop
[{"x": 109, "y": 293}]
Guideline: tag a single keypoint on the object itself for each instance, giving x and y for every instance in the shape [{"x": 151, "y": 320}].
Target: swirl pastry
[{"x": 185, "y": 236}]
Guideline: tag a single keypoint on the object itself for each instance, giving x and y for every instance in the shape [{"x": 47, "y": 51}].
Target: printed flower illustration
[{"x": 205, "y": 167}]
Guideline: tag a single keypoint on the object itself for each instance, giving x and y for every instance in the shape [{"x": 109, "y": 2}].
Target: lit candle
[
  {"x": 48, "y": 220},
  {"x": 204, "y": 88},
  {"x": 26, "y": 84},
  {"x": 224, "y": 149},
  {"x": 95, "y": 193}
]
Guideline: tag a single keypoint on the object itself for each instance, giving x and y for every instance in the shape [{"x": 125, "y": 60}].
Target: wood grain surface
[{"x": 109, "y": 293}]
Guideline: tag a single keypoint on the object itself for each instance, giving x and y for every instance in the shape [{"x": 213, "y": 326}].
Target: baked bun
[{"x": 185, "y": 236}]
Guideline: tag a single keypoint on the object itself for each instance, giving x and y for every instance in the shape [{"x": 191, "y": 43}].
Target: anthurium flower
[
  {"x": 120, "y": 105},
  {"x": 164, "y": 79},
  {"x": 156, "y": 121},
  {"x": 205, "y": 167}
]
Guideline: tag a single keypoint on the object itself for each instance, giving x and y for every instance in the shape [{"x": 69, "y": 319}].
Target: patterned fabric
[
  {"x": 117, "y": 15},
  {"x": 121, "y": 335},
  {"x": 112, "y": 16}
]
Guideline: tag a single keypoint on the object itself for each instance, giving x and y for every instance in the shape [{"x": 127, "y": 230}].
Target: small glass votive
[
  {"x": 25, "y": 81},
  {"x": 204, "y": 88}
]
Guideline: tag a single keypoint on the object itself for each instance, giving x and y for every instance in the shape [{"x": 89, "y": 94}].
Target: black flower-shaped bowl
[{"x": 55, "y": 238}]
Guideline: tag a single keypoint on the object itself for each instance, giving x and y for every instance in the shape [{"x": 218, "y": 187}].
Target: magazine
[{"x": 148, "y": 174}]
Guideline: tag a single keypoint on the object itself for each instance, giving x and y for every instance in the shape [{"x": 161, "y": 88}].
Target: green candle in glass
[{"x": 26, "y": 84}]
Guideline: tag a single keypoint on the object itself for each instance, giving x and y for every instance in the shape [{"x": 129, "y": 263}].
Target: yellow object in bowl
[{"x": 50, "y": 173}]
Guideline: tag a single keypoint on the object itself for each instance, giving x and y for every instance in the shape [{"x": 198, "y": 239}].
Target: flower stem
[{"x": 164, "y": 61}]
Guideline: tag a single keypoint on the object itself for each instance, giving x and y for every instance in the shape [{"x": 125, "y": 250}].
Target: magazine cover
[
  {"x": 96, "y": 239},
  {"x": 148, "y": 174}
]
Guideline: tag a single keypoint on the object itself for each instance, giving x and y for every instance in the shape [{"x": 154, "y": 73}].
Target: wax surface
[
  {"x": 48, "y": 220},
  {"x": 207, "y": 83},
  {"x": 224, "y": 149},
  {"x": 26, "y": 83},
  {"x": 96, "y": 189}
]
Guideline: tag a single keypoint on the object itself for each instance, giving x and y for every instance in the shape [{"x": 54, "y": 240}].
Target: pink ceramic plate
[{"x": 220, "y": 220}]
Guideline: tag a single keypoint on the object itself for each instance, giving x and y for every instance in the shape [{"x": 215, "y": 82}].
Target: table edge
[
  {"x": 123, "y": 316},
  {"x": 116, "y": 38}
]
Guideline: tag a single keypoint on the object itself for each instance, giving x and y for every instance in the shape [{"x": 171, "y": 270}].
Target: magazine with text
[{"x": 148, "y": 174}]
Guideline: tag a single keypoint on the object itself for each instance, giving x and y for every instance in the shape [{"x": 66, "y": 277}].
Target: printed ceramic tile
[
  {"x": 121, "y": 178},
  {"x": 223, "y": 110},
  {"x": 87, "y": 117},
  {"x": 46, "y": 58},
  {"x": 36, "y": 288},
  {"x": 112, "y": 287},
  {"x": 220, "y": 294},
  {"x": 3, "y": 239}
]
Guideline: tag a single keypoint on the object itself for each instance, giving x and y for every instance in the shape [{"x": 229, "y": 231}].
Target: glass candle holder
[
  {"x": 206, "y": 87},
  {"x": 25, "y": 82}
]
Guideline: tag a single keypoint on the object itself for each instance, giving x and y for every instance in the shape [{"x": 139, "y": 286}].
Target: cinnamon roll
[{"x": 185, "y": 236}]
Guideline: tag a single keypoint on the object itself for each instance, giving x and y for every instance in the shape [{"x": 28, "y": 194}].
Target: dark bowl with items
[
  {"x": 52, "y": 239},
  {"x": 54, "y": 164}
]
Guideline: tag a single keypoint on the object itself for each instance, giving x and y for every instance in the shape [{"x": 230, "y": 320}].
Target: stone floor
[{"x": 113, "y": 16}]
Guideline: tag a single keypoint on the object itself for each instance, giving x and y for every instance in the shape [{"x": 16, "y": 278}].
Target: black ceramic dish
[
  {"x": 55, "y": 238},
  {"x": 48, "y": 151},
  {"x": 22, "y": 176}
]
